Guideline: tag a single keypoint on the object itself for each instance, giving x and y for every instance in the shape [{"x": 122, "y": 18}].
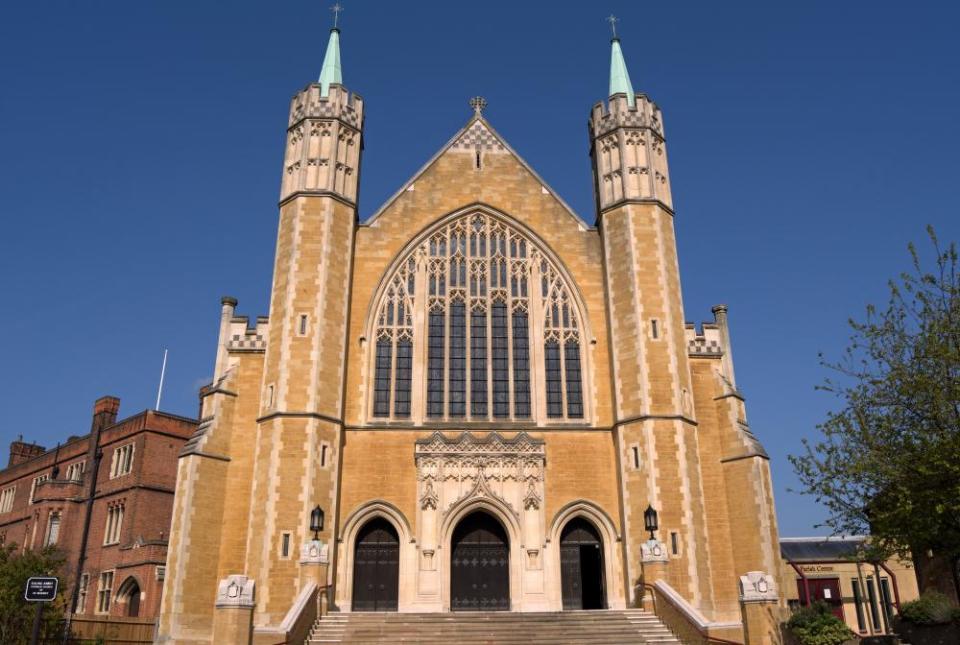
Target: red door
[{"x": 823, "y": 589}]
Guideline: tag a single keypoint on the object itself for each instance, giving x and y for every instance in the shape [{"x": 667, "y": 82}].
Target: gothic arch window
[{"x": 477, "y": 323}]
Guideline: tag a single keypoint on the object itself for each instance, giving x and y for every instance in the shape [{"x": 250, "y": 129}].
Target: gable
[{"x": 481, "y": 166}]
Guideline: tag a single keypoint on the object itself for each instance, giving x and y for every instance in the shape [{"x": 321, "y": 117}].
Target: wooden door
[
  {"x": 479, "y": 565},
  {"x": 581, "y": 566},
  {"x": 376, "y": 567}
]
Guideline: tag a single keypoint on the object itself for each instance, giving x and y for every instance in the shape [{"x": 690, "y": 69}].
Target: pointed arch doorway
[
  {"x": 376, "y": 567},
  {"x": 581, "y": 566},
  {"x": 480, "y": 565}
]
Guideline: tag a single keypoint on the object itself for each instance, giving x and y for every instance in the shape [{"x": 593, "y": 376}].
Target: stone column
[
  {"x": 233, "y": 611},
  {"x": 314, "y": 565},
  {"x": 760, "y": 609},
  {"x": 653, "y": 558}
]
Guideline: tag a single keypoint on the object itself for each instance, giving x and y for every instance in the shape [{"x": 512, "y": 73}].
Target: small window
[
  {"x": 6, "y": 499},
  {"x": 36, "y": 482},
  {"x": 654, "y": 328},
  {"x": 674, "y": 543},
  {"x": 104, "y": 592},
  {"x": 323, "y": 455},
  {"x": 270, "y": 396},
  {"x": 122, "y": 462},
  {"x": 82, "y": 593},
  {"x": 858, "y": 603},
  {"x": 303, "y": 325},
  {"x": 285, "y": 545},
  {"x": 111, "y": 533},
  {"x": 53, "y": 529},
  {"x": 636, "y": 456},
  {"x": 75, "y": 471}
]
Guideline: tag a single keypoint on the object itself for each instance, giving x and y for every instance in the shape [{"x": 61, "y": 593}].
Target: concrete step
[{"x": 590, "y": 627}]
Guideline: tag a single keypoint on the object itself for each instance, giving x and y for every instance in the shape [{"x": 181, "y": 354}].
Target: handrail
[{"x": 708, "y": 638}]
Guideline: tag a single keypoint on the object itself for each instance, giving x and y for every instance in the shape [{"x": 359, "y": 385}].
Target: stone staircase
[{"x": 462, "y": 628}]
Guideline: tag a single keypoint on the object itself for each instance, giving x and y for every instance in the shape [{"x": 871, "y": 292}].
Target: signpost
[{"x": 40, "y": 589}]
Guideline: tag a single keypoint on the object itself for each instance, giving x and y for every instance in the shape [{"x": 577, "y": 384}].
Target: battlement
[
  {"x": 617, "y": 113},
  {"x": 323, "y": 144},
  {"x": 243, "y": 338},
  {"x": 706, "y": 341},
  {"x": 340, "y": 103}
]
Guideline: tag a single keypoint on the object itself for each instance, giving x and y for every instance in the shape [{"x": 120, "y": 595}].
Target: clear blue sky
[{"x": 141, "y": 146}]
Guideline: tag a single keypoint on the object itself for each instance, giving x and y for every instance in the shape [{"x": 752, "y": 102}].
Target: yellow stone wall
[{"x": 289, "y": 426}]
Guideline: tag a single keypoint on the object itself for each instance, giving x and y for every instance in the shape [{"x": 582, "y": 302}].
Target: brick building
[{"x": 45, "y": 498}]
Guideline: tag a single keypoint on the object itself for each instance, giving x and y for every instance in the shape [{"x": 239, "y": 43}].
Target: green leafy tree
[
  {"x": 888, "y": 462},
  {"x": 16, "y": 614}
]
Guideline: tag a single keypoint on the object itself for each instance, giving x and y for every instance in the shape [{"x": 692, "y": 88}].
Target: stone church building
[{"x": 472, "y": 400}]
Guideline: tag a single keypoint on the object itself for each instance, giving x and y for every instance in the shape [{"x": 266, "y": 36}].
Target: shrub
[
  {"x": 932, "y": 608},
  {"x": 816, "y": 625}
]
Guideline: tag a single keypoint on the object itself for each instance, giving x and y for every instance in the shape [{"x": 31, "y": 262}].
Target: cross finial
[
  {"x": 478, "y": 103},
  {"x": 613, "y": 20},
  {"x": 336, "y": 9}
]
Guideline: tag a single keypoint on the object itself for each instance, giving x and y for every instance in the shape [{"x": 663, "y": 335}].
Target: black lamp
[
  {"x": 650, "y": 520},
  {"x": 316, "y": 522}
]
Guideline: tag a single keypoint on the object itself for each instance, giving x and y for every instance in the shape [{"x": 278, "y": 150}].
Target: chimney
[
  {"x": 20, "y": 451},
  {"x": 105, "y": 411}
]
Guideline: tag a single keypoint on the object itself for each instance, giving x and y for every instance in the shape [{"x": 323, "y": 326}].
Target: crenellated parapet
[
  {"x": 629, "y": 149},
  {"x": 241, "y": 337},
  {"x": 704, "y": 342},
  {"x": 324, "y": 141}
]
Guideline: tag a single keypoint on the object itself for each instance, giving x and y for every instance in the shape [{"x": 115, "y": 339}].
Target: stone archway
[{"x": 479, "y": 564}]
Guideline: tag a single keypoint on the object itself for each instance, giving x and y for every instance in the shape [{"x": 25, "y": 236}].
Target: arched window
[{"x": 477, "y": 323}]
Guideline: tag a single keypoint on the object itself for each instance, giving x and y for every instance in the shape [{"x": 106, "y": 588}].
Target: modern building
[
  {"x": 474, "y": 399},
  {"x": 865, "y": 595},
  {"x": 105, "y": 499}
]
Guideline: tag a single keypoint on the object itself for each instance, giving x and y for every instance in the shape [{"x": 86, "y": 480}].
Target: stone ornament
[
  {"x": 315, "y": 552},
  {"x": 653, "y": 551},
  {"x": 758, "y": 586},
  {"x": 235, "y": 591}
]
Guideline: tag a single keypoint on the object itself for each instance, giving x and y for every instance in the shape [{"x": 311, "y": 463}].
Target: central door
[
  {"x": 479, "y": 565},
  {"x": 581, "y": 566},
  {"x": 376, "y": 567}
]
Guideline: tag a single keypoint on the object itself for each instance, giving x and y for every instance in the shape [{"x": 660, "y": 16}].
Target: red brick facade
[{"x": 135, "y": 482}]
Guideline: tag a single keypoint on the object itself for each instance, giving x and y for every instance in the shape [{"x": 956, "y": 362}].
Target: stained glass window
[{"x": 490, "y": 298}]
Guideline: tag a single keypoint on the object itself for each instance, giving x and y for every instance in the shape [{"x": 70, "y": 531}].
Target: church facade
[{"x": 472, "y": 400}]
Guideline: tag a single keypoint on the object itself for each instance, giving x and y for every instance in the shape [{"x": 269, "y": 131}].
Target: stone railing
[
  {"x": 688, "y": 624},
  {"x": 295, "y": 627}
]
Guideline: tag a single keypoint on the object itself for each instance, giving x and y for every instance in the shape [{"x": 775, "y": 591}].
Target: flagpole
[{"x": 163, "y": 371}]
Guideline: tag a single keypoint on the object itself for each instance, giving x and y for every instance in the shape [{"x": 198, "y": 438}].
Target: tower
[
  {"x": 242, "y": 548},
  {"x": 684, "y": 447},
  {"x": 655, "y": 425},
  {"x": 301, "y": 406}
]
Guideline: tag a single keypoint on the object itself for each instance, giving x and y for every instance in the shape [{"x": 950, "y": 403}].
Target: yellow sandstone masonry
[{"x": 333, "y": 402}]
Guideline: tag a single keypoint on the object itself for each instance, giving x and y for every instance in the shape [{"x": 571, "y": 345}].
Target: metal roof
[{"x": 818, "y": 549}]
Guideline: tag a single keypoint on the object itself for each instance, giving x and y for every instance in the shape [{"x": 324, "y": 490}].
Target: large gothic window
[{"x": 478, "y": 324}]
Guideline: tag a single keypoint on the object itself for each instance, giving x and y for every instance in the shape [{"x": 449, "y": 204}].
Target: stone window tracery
[{"x": 477, "y": 323}]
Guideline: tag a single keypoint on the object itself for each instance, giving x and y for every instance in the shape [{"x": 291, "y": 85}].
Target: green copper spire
[
  {"x": 330, "y": 72},
  {"x": 619, "y": 77}
]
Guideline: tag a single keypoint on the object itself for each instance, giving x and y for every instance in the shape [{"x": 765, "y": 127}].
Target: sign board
[{"x": 41, "y": 589}]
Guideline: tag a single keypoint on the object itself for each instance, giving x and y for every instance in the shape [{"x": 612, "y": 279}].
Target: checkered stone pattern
[
  {"x": 319, "y": 109},
  {"x": 703, "y": 347},
  {"x": 478, "y": 138},
  {"x": 247, "y": 343}
]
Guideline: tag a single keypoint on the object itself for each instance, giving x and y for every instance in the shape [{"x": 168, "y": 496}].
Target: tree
[
  {"x": 888, "y": 462},
  {"x": 16, "y": 614}
]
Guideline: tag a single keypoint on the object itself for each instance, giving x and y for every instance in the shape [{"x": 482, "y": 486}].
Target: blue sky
[{"x": 141, "y": 145}]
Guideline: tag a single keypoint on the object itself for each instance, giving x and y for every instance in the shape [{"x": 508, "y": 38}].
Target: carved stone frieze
[{"x": 452, "y": 469}]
